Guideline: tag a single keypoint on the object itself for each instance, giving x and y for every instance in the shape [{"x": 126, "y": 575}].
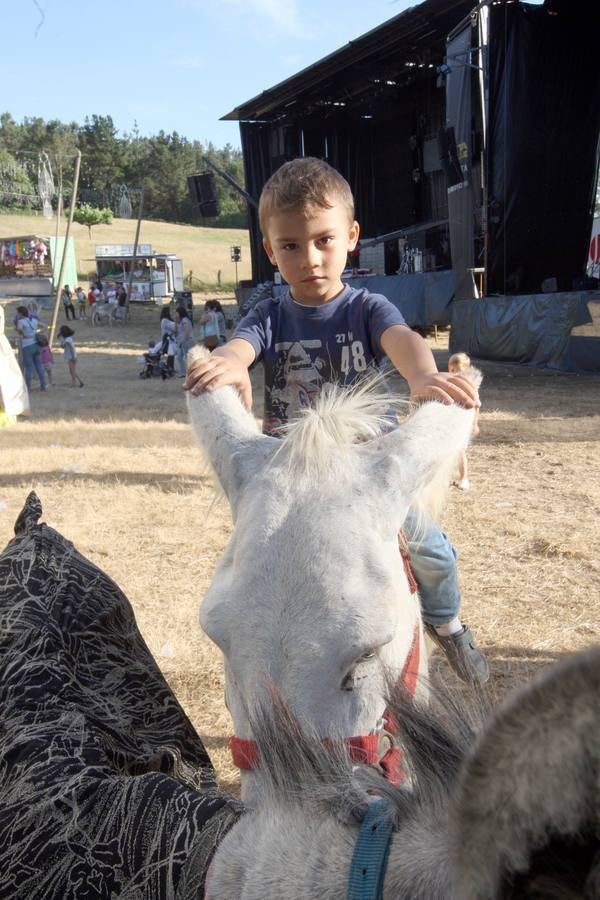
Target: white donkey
[{"x": 311, "y": 595}]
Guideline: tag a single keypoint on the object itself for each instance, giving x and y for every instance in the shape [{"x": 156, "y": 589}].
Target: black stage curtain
[
  {"x": 544, "y": 126},
  {"x": 257, "y": 169}
]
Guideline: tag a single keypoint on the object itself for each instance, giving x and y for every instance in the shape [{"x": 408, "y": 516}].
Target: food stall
[
  {"x": 156, "y": 276},
  {"x": 28, "y": 264}
]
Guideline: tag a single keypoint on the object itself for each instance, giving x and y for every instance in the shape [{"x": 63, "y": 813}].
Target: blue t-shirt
[{"x": 303, "y": 348}]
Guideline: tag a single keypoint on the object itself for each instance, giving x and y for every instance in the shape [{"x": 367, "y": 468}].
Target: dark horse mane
[{"x": 445, "y": 747}]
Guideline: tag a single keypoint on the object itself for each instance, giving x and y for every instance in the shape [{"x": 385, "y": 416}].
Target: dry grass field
[
  {"x": 117, "y": 472},
  {"x": 204, "y": 251}
]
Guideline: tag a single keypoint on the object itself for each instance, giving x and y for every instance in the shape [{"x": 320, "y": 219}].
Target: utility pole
[
  {"x": 58, "y": 285},
  {"x": 134, "y": 256}
]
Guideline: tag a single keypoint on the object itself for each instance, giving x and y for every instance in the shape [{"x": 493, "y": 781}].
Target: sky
[{"x": 173, "y": 65}]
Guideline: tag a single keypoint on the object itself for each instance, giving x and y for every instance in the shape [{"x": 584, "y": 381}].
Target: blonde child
[
  {"x": 306, "y": 214},
  {"x": 459, "y": 364},
  {"x": 46, "y": 357},
  {"x": 66, "y": 334}
]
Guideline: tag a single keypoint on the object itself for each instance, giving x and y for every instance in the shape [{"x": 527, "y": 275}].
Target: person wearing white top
[{"x": 27, "y": 327}]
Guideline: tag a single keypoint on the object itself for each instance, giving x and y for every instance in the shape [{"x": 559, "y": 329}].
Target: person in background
[
  {"x": 209, "y": 326},
  {"x": 81, "y": 301},
  {"x": 46, "y": 357},
  {"x": 185, "y": 338},
  {"x": 70, "y": 352},
  {"x": 67, "y": 302},
  {"x": 221, "y": 320},
  {"x": 27, "y": 327},
  {"x": 169, "y": 343},
  {"x": 121, "y": 299}
]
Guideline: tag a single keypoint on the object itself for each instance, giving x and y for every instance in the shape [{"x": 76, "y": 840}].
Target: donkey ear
[
  {"x": 424, "y": 448},
  {"x": 529, "y": 793},
  {"x": 229, "y": 438}
]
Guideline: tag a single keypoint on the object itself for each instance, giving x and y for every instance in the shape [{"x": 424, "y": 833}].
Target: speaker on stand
[{"x": 203, "y": 192}]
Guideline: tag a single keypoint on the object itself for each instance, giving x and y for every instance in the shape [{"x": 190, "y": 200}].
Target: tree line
[{"x": 160, "y": 163}]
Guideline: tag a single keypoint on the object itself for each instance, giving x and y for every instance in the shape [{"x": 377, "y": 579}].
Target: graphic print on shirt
[{"x": 302, "y": 368}]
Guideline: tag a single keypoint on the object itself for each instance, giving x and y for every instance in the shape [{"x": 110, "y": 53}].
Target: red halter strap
[{"x": 363, "y": 749}]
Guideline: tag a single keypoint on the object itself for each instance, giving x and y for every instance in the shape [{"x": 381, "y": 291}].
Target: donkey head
[{"x": 310, "y": 595}]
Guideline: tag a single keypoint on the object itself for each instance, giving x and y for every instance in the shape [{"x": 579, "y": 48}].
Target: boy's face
[{"x": 311, "y": 253}]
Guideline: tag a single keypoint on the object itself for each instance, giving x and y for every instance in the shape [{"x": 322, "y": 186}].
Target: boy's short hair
[
  {"x": 460, "y": 361},
  {"x": 307, "y": 184}
]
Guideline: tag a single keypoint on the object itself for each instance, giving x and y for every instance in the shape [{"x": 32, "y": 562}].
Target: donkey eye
[{"x": 354, "y": 675}]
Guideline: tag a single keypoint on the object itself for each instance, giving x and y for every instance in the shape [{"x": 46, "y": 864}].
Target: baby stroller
[{"x": 155, "y": 363}]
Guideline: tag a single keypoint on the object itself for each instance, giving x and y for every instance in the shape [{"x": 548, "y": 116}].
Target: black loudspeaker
[{"x": 203, "y": 191}]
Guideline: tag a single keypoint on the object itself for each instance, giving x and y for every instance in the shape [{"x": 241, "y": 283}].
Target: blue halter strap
[{"x": 367, "y": 870}]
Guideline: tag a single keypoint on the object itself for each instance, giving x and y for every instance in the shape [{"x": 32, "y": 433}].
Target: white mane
[
  {"x": 340, "y": 419},
  {"x": 324, "y": 439}
]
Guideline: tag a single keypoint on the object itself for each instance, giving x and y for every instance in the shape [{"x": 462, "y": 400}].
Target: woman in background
[
  {"x": 185, "y": 338},
  {"x": 27, "y": 326}
]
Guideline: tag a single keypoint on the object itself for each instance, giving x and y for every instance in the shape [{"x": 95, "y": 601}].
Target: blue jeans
[
  {"x": 182, "y": 350},
  {"x": 433, "y": 561},
  {"x": 31, "y": 359}
]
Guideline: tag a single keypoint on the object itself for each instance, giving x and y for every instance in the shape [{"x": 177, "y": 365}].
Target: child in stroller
[{"x": 154, "y": 361}]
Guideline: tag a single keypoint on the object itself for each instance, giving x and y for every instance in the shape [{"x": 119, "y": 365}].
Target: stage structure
[{"x": 470, "y": 136}]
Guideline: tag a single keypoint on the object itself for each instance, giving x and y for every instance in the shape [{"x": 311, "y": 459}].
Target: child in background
[
  {"x": 66, "y": 334},
  {"x": 153, "y": 360},
  {"x": 221, "y": 320},
  {"x": 458, "y": 364},
  {"x": 46, "y": 357},
  {"x": 306, "y": 214}
]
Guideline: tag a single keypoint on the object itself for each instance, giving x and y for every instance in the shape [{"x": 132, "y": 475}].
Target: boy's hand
[
  {"x": 216, "y": 371},
  {"x": 446, "y": 388}
]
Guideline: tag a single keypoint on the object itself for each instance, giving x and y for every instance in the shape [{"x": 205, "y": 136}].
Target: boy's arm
[
  {"x": 225, "y": 365},
  {"x": 409, "y": 354}
]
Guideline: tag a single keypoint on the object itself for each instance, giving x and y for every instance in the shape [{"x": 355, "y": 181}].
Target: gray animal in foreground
[{"x": 513, "y": 812}]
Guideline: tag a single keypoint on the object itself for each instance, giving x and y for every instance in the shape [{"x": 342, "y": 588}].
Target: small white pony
[
  {"x": 311, "y": 595},
  {"x": 103, "y": 314}
]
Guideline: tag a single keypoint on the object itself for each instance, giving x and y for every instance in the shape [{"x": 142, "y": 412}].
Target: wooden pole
[
  {"x": 134, "y": 256},
  {"x": 64, "y": 255},
  {"x": 55, "y": 265}
]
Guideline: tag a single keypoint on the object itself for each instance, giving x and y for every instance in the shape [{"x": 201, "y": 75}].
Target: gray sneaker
[{"x": 463, "y": 655}]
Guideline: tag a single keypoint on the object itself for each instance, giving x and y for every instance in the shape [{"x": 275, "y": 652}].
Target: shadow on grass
[
  {"x": 167, "y": 484},
  {"x": 511, "y": 667}
]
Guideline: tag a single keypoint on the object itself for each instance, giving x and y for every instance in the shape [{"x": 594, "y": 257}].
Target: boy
[{"x": 323, "y": 331}]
